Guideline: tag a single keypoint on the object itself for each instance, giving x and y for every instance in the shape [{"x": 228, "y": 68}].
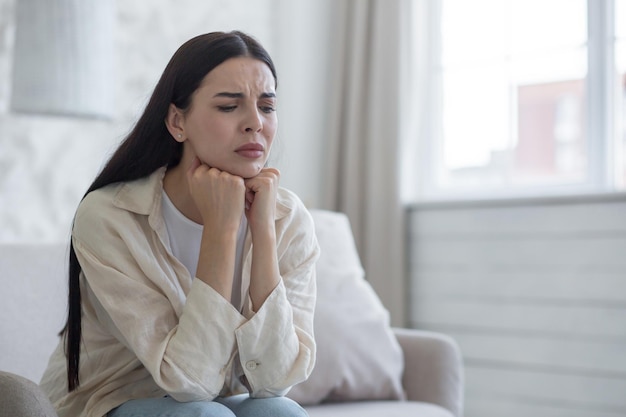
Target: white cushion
[
  {"x": 34, "y": 305},
  {"x": 358, "y": 357}
]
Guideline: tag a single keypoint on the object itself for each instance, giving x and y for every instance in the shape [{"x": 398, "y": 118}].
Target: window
[{"x": 529, "y": 98}]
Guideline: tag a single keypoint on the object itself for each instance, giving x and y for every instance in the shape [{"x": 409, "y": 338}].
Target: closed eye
[
  {"x": 267, "y": 109},
  {"x": 226, "y": 109}
]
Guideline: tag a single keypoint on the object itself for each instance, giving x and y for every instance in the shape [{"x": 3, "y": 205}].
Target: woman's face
[{"x": 231, "y": 122}]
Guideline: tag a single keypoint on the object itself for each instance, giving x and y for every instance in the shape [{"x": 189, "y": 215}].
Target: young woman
[{"x": 192, "y": 280}]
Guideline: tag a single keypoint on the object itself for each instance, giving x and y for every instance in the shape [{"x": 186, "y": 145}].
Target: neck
[{"x": 177, "y": 189}]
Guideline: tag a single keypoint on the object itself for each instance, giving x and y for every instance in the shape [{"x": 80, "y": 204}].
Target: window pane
[
  {"x": 533, "y": 25},
  {"x": 471, "y": 109},
  {"x": 466, "y": 23},
  {"x": 513, "y": 110},
  {"x": 551, "y": 124}
]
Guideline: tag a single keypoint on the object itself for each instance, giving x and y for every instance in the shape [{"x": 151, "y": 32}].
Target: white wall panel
[{"x": 535, "y": 294}]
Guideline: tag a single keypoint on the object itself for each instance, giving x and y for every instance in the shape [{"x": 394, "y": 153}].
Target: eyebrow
[{"x": 240, "y": 95}]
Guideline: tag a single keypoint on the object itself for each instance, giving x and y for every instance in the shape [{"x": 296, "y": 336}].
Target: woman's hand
[
  {"x": 220, "y": 199},
  {"x": 218, "y": 195},
  {"x": 260, "y": 209},
  {"x": 261, "y": 200}
]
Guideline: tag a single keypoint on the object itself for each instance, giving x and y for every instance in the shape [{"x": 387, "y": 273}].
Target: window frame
[{"x": 603, "y": 150}]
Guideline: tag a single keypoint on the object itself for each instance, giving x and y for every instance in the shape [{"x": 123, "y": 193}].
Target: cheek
[
  {"x": 210, "y": 132},
  {"x": 213, "y": 125},
  {"x": 271, "y": 127}
]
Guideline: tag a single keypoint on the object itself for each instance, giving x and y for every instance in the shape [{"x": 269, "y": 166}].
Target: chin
[
  {"x": 246, "y": 171},
  {"x": 250, "y": 173}
]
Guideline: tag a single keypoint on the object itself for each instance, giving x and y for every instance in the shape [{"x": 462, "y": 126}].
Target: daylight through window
[{"x": 530, "y": 97}]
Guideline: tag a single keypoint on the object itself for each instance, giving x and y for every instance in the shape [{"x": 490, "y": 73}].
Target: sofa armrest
[
  {"x": 20, "y": 397},
  {"x": 433, "y": 369}
]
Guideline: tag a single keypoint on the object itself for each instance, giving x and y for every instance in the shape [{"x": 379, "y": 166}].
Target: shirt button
[{"x": 251, "y": 365}]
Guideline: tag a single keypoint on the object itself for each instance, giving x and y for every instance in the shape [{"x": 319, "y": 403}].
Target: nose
[{"x": 253, "y": 121}]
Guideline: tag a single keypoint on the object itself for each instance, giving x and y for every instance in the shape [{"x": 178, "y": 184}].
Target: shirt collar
[{"x": 141, "y": 196}]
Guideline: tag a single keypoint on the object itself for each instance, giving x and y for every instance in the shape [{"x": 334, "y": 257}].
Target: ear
[{"x": 175, "y": 123}]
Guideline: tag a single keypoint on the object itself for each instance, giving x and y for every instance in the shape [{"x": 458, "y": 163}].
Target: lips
[{"x": 251, "y": 150}]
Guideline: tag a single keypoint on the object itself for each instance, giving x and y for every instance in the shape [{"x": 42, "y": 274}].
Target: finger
[
  {"x": 261, "y": 184},
  {"x": 271, "y": 170},
  {"x": 249, "y": 195},
  {"x": 249, "y": 198}
]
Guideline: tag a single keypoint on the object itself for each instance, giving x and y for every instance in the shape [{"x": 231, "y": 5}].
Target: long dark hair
[{"x": 149, "y": 146}]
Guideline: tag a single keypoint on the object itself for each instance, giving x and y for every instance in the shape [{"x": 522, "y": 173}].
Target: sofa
[{"x": 364, "y": 367}]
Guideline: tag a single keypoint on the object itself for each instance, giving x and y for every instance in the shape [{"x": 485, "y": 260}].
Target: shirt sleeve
[
  {"x": 186, "y": 352},
  {"x": 276, "y": 345}
]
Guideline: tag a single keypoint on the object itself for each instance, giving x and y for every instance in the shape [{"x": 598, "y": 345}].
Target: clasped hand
[{"x": 221, "y": 197}]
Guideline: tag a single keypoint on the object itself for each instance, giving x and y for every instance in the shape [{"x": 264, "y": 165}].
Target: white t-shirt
[{"x": 186, "y": 236}]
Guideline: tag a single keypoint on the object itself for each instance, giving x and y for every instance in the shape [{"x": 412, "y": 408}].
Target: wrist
[
  {"x": 225, "y": 238},
  {"x": 263, "y": 234}
]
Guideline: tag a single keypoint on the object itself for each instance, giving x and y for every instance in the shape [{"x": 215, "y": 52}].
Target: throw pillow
[{"x": 358, "y": 356}]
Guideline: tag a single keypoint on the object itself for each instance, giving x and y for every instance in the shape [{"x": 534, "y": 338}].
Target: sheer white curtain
[{"x": 370, "y": 107}]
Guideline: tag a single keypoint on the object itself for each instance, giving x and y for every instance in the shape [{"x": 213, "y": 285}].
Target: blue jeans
[{"x": 235, "y": 406}]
